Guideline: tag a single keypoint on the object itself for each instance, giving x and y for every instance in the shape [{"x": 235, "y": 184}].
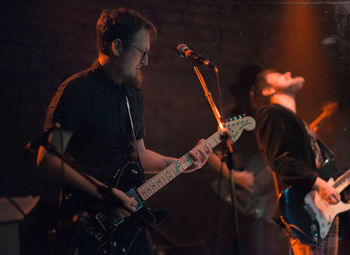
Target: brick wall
[{"x": 44, "y": 41}]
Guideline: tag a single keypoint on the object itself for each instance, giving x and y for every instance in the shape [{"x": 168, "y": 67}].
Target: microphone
[{"x": 195, "y": 57}]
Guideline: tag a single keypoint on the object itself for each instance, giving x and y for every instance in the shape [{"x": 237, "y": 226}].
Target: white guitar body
[{"x": 321, "y": 210}]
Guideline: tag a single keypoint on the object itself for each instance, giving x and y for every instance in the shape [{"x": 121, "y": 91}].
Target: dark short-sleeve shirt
[
  {"x": 286, "y": 144},
  {"x": 94, "y": 107}
]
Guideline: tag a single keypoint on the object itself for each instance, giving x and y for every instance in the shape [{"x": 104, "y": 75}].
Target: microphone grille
[{"x": 181, "y": 48}]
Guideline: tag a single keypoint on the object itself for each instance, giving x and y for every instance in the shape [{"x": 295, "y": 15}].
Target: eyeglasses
[{"x": 144, "y": 53}]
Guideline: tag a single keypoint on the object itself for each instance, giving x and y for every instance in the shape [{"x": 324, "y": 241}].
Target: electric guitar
[
  {"x": 327, "y": 110},
  {"x": 106, "y": 232},
  {"x": 310, "y": 216},
  {"x": 260, "y": 202}
]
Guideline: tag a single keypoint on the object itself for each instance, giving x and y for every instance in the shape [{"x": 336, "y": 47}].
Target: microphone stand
[
  {"x": 228, "y": 158},
  {"x": 236, "y": 242}
]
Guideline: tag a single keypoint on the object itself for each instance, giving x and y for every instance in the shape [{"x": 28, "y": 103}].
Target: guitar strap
[
  {"x": 134, "y": 137},
  {"x": 324, "y": 157},
  {"x": 277, "y": 190},
  {"x": 131, "y": 123}
]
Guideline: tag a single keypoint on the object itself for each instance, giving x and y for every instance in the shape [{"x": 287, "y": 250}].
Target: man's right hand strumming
[
  {"x": 128, "y": 202},
  {"x": 327, "y": 191}
]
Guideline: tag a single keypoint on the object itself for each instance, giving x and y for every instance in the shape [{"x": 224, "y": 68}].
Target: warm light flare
[{"x": 299, "y": 50}]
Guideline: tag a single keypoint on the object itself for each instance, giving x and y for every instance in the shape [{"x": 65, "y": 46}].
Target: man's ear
[
  {"x": 117, "y": 47},
  {"x": 268, "y": 91}
]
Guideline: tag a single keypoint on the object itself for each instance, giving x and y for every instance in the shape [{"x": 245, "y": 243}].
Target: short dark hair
[
  {"x": 257, "y": 99},
  {"x": 120, "y": 23}
]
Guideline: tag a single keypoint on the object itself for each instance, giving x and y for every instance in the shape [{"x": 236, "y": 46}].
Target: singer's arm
[
  {"x": 242, "y": 178},
  {"x": 55, "y": 167}
]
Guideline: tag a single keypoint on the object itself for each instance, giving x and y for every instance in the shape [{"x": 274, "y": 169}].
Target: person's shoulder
[
  {"x": 78, "y": 78},
  {"x": 77, "y": 81},
  {"x": 274, "y": 109},
  {"x": 273, "y": 114},
  {"x": 267, "y": 110}
]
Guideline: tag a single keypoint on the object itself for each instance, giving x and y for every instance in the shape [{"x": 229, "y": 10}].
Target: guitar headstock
[
  {"x": 330, "y": 107},
  {"x": 235, "y": 126}
]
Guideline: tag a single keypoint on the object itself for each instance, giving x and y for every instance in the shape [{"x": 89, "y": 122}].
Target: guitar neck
[
  {"x": 342, "y": 182},
  {"x": 158, "y": 181}
]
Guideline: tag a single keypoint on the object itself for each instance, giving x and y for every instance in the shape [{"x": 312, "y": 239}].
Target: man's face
[
  {"x": 284, "y": 83},
  {"x": 135, "y": 57}
]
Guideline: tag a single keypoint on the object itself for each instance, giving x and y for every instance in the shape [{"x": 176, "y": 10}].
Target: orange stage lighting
[{"x": 299, "y": 50}]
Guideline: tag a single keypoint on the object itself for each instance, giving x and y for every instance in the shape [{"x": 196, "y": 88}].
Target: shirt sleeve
[
  {"x": 283, "y": 143},
  {"x": 67, "y": 106}
]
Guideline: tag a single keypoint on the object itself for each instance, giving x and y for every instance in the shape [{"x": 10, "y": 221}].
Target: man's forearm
[{"x": 60, "y": 170}]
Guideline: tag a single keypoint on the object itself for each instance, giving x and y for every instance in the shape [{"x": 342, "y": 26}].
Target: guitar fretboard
[
  {"x": 342, "y": 182},
  {"x": 158, "y": 181}
]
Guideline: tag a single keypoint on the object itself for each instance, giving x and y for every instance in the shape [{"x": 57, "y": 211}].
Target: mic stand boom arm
[{"x": 209, "y": 97}]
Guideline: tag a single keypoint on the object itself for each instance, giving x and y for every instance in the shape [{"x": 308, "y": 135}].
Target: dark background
[{"x": 42, "y": 42}]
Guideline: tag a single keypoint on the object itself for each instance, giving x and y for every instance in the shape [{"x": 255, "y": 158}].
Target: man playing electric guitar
[
  {"x": 255, "y": 194},
  {"x": 100, "y": 111},
  {"x": 291, "y": 148}
]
